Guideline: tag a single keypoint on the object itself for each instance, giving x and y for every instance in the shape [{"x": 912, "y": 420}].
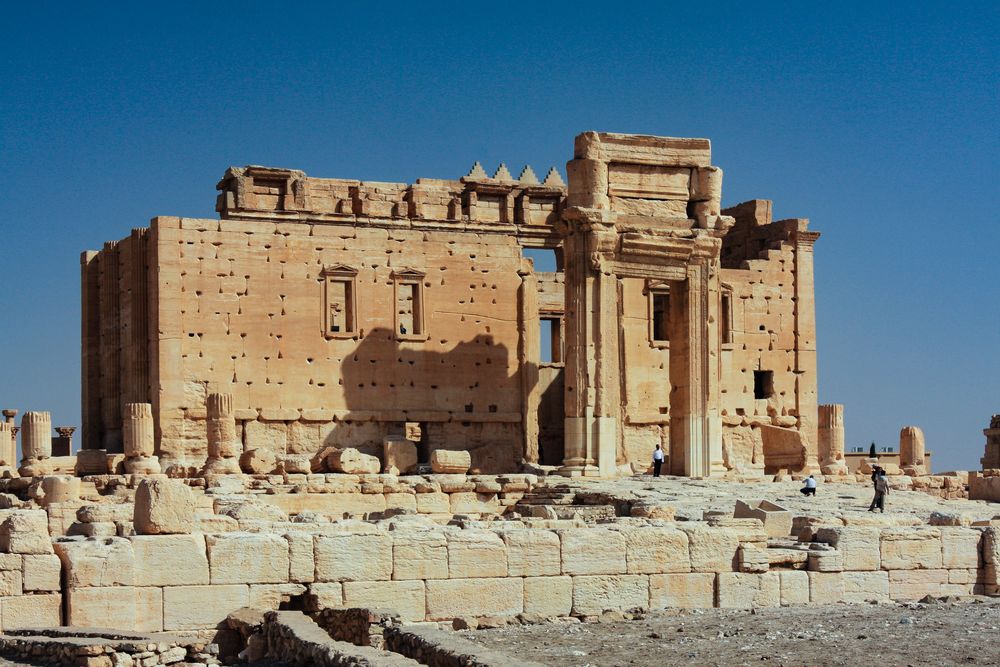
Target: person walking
[
  {"x": 810, "y": 488},
  {"x": 657, "y": 461},
  {"x": 881, "y": 491}
]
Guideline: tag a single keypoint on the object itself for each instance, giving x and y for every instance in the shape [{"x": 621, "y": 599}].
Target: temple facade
[{"x": 341, "y": 313}]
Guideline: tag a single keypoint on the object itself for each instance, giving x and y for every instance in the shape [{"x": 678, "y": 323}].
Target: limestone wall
[{"x": 427, "y": 572}]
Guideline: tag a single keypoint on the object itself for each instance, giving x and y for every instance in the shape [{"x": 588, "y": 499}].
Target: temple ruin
[{"x": 347, "y": 313}]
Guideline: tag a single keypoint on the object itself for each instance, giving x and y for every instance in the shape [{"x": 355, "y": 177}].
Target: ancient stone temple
[{"x": 338, "y": 312}]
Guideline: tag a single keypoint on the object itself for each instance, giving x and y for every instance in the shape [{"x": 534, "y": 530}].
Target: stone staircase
[{"x": 561, "y": 501}]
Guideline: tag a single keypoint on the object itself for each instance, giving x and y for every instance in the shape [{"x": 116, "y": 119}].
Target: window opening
[
  {"x": 661, "y": 315},
  {"x": 763, "y": 384},
  {"x": 551, "y": 340}
]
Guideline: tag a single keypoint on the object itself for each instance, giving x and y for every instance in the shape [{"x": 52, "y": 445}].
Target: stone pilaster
[
  {"x": 36, "y": 444},
  {"x": 831, "y": 440},
  {"x": 139, "y": 439},
  {"x": 224, "y": 444}
]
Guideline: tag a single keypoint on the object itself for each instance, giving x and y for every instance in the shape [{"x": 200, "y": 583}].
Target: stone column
[
  {"x": 224, "y": 445},
  {"x": 8, "y": 446},
  {"x": 831, "y": 439},
  {"x": 139, "y": 441},
  {"x": 529, "y": 356},
  {"x": 36, "y": 444},
  {"x": 911, "y": 451},
  {"x": 805, "y": 344},
  {"x": 9, "y": 416}
]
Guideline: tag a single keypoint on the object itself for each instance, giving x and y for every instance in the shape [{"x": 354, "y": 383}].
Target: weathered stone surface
[
  {"x": 858, "y": 545},
  {"x": 794, "y": 587},
  {"x": 865, "y": 586},
  {"x": 259, "y": 461},
  {"x": 170, "y": 560},
  {"x": 31, "y": 611},
  {"x": 532, "y": 553},
  {"x": 476, "y": 553},
  {"x": 41, "y": 572},
  {"x": 101, "y": 607},
  {"x": 96, "y": 562},
  {"x": 826, "y": 587},
  {"x": 911, "y": 548},
  {"x": 595, "y": 594},
  {"x": 301, "y": 557},
  {"x": 400, "y": 456},
  {"x": 960, "y": 548},
  {"x": 26, "y": 532},
  {"x": 682, "y": 591},
  {"x": 915, "y": 584},
  {"x": 738, "y": 590},
  {"x": 449, "y": 598},
  {"x": 354, "y": 557},
  {"x": 163, "y": 506},
  {"x": 711, "y": 549},
  {"x": 247, "y": 558},
  {"x": 447, "y": 461},
  {"x": 419, "y": 555},
  {"x": 149, "y": 609},
  {"x": 548, "y": 596},
  {"x": 404, "y": 597},
  {"x": 353, "y": 462},
  {"x": 656, "y": 550},
  {"x": 201, "y": 607},
  {"x": 593, "y": 551}
]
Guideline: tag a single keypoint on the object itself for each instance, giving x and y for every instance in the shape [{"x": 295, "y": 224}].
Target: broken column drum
[
  {"x": 831, "y": 439},
  {"x": 224, "y": 444},
  {"x": 36, "y": 443},
  {"x": 8, "y": 447},
  {"x": 139, "y": 440},
  {"x": 911, "y": 450}
]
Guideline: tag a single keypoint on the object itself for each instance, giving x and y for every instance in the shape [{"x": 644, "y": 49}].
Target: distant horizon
[{"x": 878, "y": 123}]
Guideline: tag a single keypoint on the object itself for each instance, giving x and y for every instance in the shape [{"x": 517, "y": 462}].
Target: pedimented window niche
[
  {"x": 340, "y": 311},
  {"x": 408, "y": 289}
]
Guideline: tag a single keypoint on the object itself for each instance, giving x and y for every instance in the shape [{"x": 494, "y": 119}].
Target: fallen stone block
[
  {"x": 447, "y": 461},
  {"x": 163, "y": 506}
]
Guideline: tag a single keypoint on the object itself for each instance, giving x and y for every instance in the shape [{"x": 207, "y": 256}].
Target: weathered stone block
[
  {"x": 354, "y": 557},
  {"x": 170, "y": 560},
  {"x": 106, "y": 607},
  {"x": 41, "y": 572},
  {"x": 656, "y": 550},
  {"x": 682, "y": 591},
  {"x": 534, "y": 553},
  {"x": 911, "y": 548},
  {"x": 865, "y": 586},
  {"x": 407, "y": 598},
  {"x": 301, "y": 557},
  {"x": 794, "y": 587},
  {"x": 446, "y": 461},
  {"x": 323, "y": 595},
  {"x": 960, "y": 548},
  {"x": 272, "y": 596},
  {"x": 711, "y": 549},
  {"x": 449, "y": 598},
  {"x": 826, "y": 561},
  {"x": 163, "y": 506},
  {"x": 400, "y": 455},
  {"x": 593, "y": 551},
  {"x": 353, "y": 462},
  {"x": 776, "y": 519},
  {"x": 11, "y": 583},
  {"x": 548, "y": 596},
  {"x": 26, "y": 532},
  {"x": 419, "y": 555},
  {"x": 739, "y": 590},
  {"x": 247, "y": 558},
  {"x": 858, "y": 545},
  {"x": 97, "y": 562},
  {"x": 433, "y": 503},
  {"x": 826, "y": 587},
  {"x": 201, "y": 607},
  {"x": 915, "y": 584},
  {"x": 595, "y": 594},
  {"x": 31, "y": 611},
  {"x": 470, "y": 502},
  {"x": 476, "y": 553},
  {"x": 149, "y": 609}
]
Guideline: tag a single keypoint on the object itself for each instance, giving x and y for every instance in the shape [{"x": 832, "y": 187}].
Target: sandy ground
[{"x": 960, "y": 633}]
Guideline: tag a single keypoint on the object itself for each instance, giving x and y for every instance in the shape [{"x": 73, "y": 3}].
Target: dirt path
[{"x": 964, "y": 633}]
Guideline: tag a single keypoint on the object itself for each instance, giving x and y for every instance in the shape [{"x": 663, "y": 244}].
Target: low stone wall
[
  {"x": 437, "y": 648},
  {"x": 423, "y": 571},
  {"x": 295, "y": 639},
  {"x": 104, "y": 648},
  {"x": 357, "y": 625}
]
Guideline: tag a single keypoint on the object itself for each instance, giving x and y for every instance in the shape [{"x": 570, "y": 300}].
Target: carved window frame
[
  {"x": 726, "y": 313},
  {"x": 415, "y": 278},
  {"x": 348, "y": 276},
  {"x": 653, "y": 288}
]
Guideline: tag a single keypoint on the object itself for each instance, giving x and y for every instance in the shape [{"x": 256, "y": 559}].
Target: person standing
[
  {"x": 657, "y": 461},
  {"x": 810, "y": 488},
  {"x": 881, "y": 491}
]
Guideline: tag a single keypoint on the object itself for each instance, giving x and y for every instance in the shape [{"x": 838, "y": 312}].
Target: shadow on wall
[{"x": 463, "y": 398}]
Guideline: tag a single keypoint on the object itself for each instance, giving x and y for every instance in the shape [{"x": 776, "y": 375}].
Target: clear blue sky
[{"x": 877, "y": 121}]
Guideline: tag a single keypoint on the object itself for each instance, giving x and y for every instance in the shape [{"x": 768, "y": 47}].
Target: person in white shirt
[
  {"x": 657, "y": 461},
  {"x": 810, "y": 488}
]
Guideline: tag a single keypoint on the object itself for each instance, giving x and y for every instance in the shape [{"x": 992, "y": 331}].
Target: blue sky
[{"x": 877, "y": 121}]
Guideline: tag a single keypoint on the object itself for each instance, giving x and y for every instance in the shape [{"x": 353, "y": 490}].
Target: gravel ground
[{"x": 959, "y": 633}]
